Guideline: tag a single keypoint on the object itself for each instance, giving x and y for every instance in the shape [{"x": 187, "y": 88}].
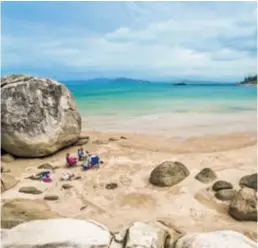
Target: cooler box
[{"x": 94, "y": 159}]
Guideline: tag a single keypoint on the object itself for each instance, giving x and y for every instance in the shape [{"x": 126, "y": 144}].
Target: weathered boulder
[
  {"x": 51, "y": 197},
  {"x": 145, "y": 236},
  {"x": 7, "y": 158},
  {"x": 225, "y": 194},
  {"x": 218, "y": 239},
  {"x": 17, "y": 211},
  {"x": 168, "y": 174},
  {"x": 219, "y": 185},
  {"x": 244, "y": 205},
  {"x": 206, "y": 175},
  {"x": 38, "y": 116},
  {"x": 249, "y": 181},
  {"x": 59, "y": 233},
  {"x": 30, "y": 190},
  {"x": 7, "y": 182}
]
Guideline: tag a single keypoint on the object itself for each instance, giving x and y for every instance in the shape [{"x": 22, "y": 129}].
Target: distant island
[
  {"x": 182, "y": 83},
  {"x": 251, "y": 80}
]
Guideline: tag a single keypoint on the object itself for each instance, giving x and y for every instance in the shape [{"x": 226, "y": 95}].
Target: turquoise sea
[{"x": 136, "y": 98}]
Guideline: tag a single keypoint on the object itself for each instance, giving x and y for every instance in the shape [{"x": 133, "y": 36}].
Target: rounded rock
[{"x": 38, "y": 116}]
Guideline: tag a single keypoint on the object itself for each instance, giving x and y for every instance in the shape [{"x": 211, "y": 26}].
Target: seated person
[
  {"x": 82, "y": 155},
  {"x": 94, "y": 160},
  {"x": 86, "y": 165},
  {"x": 70, "y": 160}
]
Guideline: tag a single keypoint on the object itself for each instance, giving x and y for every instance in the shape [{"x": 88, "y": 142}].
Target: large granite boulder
[
  {"x": 145, "y": 236},
  {"x": 17, "y": 211},
  {"x": 59, "y": 233},
  {"x": 168, "y": 174},
  {"x": 249, "y": 181},
  {"x": 218, "y": 239},
  {"x": 206, "y": 175},
  {"x": 38, "y": 116},
  {"x": 244, "y": 205}
]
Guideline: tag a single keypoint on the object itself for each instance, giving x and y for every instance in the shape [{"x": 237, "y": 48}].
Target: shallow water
[{"x": 120, "y": 105}]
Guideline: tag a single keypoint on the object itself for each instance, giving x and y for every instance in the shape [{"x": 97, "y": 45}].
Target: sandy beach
[{"x": 189, "y": 205}]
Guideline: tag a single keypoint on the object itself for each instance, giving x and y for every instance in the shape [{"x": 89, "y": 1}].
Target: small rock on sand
[
  {"x": 30, "y": 190},
  {"x": 111, "y": 186},
  {"x": 51, "y": 197},
  {"x": 67, "y": 186},
  {"x": 168, "y": 174},
  {"x": 46, "y": 166},
  {"x": 112, "y": 139},
  {"x": 249, "y": 181},
  {"x": 225, "y": 194},
  {"x": 206, "y": 175},
  {"x": 219, "y": 185}
]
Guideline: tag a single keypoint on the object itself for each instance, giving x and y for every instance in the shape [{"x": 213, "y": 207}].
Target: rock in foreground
[
  {"x": 244, "y": 205},
  {"x": 145, "y": 236},
  {"x": 249, "y": 181},
  {"x": 59, "y": 233},
  {"x": 168, "y": 174},
  {"x": 206, "y": 175},
  {"x": 38, "y": 116},
  {"x": 219, "y": 239},
  {"x": 17, "y": 211}
]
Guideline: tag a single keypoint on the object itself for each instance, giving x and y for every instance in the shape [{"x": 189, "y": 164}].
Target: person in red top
[{"x": 70, "y": 160}]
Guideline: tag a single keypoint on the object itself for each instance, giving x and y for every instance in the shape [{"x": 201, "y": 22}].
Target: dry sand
[{"x": 189, "y": 205}]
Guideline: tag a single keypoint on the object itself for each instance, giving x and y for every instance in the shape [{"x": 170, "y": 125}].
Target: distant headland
[{"x": 251, "y": 80}]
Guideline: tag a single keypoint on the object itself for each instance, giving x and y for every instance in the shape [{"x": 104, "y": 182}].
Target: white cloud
[{"x": 194, "y": 43}]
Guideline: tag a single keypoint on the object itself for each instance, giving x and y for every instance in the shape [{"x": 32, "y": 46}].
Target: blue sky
[{"x": 148, "y": 40}]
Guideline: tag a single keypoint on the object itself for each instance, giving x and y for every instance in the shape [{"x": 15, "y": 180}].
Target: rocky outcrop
[
  {"x": 145, "y": 236},
  {"x": 219, "y": 185},
  {"x": 218, "y": 239},
  {"x": 225, "y": 194},
  {"x": 244, "y": 206},
  {"x": 38, "y": 116},
  {"x": 7, "y": 182},
  {"x": 249, "y": 181},
  {"x": 65, "y": 233},
  {"x": 7, "y": 158},
  {"x": 206, "y": 175},
  {"x": 168, "y": 174},
  {"x": 17, "y": 211}
]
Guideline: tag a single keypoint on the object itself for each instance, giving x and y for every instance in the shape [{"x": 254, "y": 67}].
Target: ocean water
[{"x": 122, "y": 105}]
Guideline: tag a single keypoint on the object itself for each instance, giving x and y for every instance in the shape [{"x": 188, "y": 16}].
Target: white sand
[{"x": 188, "y": 205}]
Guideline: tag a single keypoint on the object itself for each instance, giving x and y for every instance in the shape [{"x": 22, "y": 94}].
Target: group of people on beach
[{"x": 88, "y": 160}]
